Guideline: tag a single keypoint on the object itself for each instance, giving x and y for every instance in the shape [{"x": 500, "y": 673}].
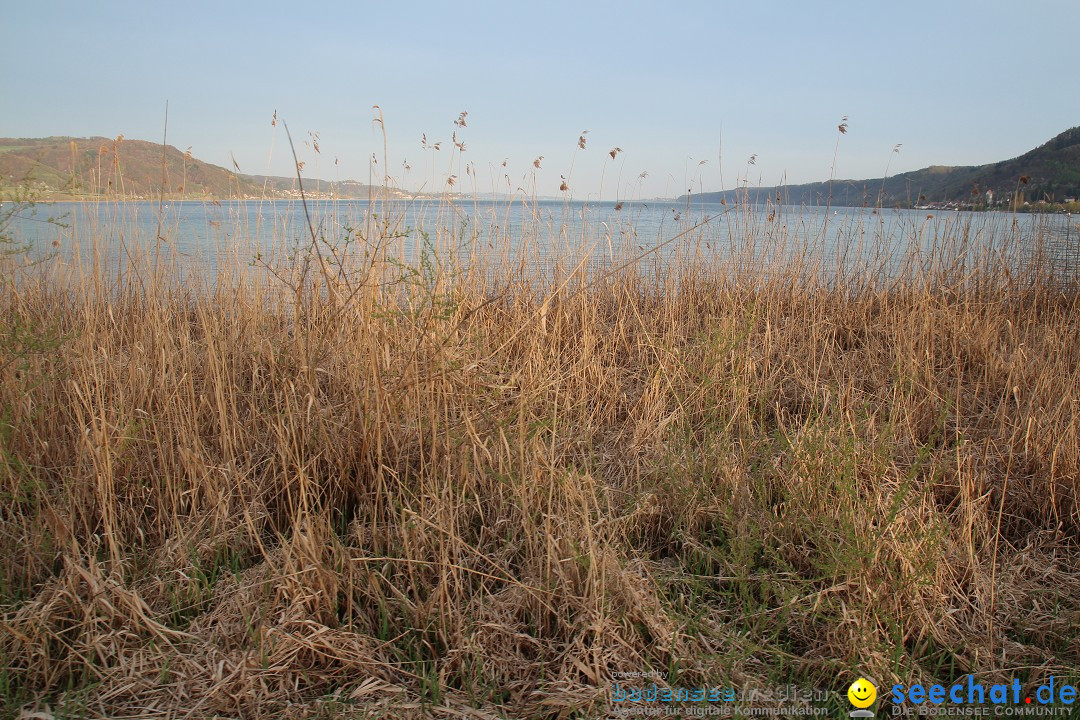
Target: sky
[{"x": 689, "y": 91}]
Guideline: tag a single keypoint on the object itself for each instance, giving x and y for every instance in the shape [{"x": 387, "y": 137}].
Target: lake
[{"x": 206, "y": 236}]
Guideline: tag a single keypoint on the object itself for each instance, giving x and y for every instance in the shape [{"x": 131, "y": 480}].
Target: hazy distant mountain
[
  {"x": 1052, "y": 172},
  {"x": 65, "y": 167}
]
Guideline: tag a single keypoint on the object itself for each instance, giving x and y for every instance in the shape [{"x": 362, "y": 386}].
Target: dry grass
[{"x": 479, "y": 493}]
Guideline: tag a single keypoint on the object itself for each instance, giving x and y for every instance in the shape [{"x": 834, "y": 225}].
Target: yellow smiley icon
[{"x": 862, "y": 693}]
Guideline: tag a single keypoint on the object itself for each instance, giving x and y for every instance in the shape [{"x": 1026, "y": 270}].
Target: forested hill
[
  {"x": 1050, "y": 172},
  {"x": 88, "y": 168}
]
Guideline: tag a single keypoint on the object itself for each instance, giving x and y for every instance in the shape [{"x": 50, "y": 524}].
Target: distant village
[{"x": 1009, "y": 203}]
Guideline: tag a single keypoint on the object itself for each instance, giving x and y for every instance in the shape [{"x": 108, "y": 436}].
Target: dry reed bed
[{"x": 376, "y": 494}]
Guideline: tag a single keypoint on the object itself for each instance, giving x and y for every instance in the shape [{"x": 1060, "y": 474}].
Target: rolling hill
[
  {"x": 59, "y": 168},
  {"x": 1050, "y": 172}
]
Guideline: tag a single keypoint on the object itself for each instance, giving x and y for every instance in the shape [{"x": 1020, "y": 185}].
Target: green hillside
[
  {"x": 91, "y": 168},
  {"x": 1050, "y": 172}
]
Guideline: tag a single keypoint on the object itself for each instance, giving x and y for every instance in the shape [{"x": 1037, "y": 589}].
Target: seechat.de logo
[{"x": 969, "y": 692}]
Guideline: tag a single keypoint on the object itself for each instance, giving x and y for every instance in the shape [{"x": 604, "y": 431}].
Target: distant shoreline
[
  {"x": 310, "y": 199},
  {"x": 1046, "y": 209}
]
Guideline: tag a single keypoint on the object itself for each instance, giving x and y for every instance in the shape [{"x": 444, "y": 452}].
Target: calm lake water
[{"x": 204, "y": 236}]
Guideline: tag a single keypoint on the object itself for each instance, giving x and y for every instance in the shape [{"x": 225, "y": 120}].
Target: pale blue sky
[{"x": 954, "y": 82}]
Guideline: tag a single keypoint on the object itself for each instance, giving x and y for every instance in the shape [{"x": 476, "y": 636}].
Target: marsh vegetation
[{"x": 339, "y": 482}]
